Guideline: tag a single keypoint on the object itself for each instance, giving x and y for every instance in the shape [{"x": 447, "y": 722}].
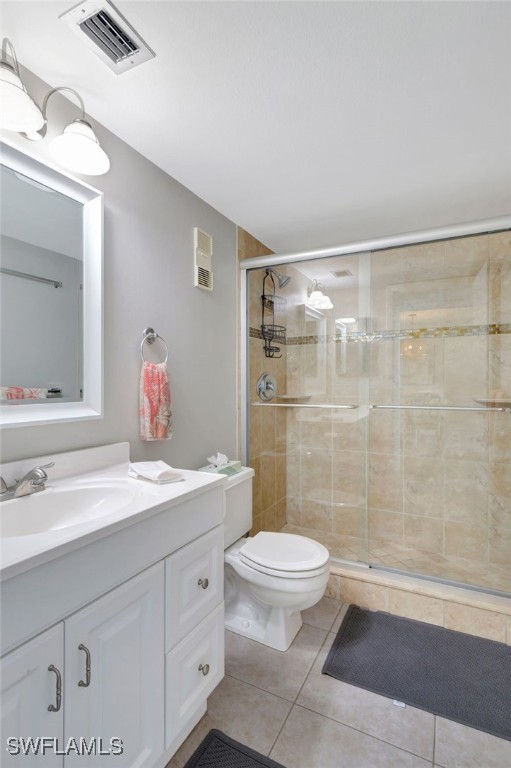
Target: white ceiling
[{"x": 307, "y": 123}]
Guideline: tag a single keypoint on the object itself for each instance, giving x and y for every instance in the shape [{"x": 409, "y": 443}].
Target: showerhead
[{"x": 283, "y": 279}]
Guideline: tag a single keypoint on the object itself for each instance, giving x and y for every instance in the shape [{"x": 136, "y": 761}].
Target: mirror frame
[{"x": 91, "y": 407}]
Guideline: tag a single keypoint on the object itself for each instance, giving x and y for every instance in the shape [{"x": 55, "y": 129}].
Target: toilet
[{"x": 270, "y": 577}]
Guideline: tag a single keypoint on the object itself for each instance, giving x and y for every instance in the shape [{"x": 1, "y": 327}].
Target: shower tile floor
[
  {"x": 380, "y": 552},
  {"x": 282, "y": 706}
]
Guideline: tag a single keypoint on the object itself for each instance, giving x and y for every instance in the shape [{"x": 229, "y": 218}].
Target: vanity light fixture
[
  {"x": 18, "y": 112},
  {"x": 316, "y": 298},
  {"x": 76, "y": 148}
]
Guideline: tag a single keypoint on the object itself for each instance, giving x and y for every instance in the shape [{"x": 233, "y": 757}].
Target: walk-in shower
[{"x": 389, "y": 436}]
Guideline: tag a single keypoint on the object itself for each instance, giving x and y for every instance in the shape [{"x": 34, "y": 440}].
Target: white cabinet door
[
  {"x": 122, "y": 695},
  {"x": 29, "y": 688}
]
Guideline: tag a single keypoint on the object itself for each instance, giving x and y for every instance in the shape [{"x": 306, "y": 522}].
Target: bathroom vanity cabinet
[
  {"x": 101, "y": 671},
  {"x": 121, "y": 638}
]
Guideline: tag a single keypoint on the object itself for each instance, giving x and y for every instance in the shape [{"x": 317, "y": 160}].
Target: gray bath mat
[
  {"x": 451, "y": 674},
  {"x": 219, "y": 751}
]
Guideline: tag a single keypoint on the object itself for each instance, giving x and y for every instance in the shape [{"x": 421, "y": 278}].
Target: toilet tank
[{"x": 238, "y": 505}]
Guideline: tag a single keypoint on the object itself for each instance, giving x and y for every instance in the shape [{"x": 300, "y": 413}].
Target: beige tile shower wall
[
  {"x": 267, "y": 425},
  {"x": 434, "y": 481},
  {"x": 437, "y": 480},
  {"x": 326, "y": 471},
  {"x": 326, "y": 450},
  {"x": 499, "y": 475}
]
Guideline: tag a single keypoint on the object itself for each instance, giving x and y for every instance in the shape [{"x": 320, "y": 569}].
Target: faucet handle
[
  {"x": 41, "y": 474},
  {"x": 46, "y": 466}
]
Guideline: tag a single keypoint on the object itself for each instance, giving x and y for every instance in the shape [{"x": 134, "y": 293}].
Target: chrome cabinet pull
[
  {"x": 55, "y": 707},
  {"x": 204, "y": 668},
  {"x": 81, "y": 683},
  {"x": 204, "y": 583}
]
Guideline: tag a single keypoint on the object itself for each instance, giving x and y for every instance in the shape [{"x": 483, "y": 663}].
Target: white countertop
[{"x": 21, "y": 553}]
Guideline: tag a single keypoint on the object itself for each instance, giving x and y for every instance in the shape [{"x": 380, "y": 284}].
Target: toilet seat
[{"x": 285, "y": 554}]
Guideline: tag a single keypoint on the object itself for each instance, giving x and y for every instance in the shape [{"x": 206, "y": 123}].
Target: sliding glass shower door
[{"x": 389, "y": 438}]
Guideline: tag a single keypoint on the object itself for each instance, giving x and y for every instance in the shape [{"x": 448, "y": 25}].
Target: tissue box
[{"x": 231, "y": 468}]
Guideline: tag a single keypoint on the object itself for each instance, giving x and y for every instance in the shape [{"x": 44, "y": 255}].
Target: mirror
[
  {"x": 51, "y": 294},
  {"x": 40, "y": 292}
]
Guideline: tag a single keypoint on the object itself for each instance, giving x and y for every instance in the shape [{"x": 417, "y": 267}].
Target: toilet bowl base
[
  {"x": 264, "y": 607},
  {"x": 277, "y": 629}
]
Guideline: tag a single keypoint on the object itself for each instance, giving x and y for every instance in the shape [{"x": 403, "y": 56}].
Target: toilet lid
[{"x": 284, "y": 552}]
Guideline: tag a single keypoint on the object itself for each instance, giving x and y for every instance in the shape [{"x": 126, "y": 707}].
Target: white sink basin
[{"x": 55, "y": 509}]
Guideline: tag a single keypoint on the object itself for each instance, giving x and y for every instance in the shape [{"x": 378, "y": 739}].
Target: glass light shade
[
  {"x": 326, "y": 303},
  {"x": 78, "y": 149},
  {"x": 319, "y": 300},
  {"x": 315, "y": 298},
  {"x": 17, "y": 110}
]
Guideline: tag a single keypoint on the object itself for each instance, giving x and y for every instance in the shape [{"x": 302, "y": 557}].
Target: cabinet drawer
[
  {"x": 192, "y": 670},
  {"x": 194, "y": 584}
]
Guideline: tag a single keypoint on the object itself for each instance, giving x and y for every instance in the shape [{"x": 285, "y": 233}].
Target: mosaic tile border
[{"x": 493, "y": 329}]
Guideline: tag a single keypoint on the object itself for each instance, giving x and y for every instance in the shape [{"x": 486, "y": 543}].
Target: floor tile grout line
[
  {"x": 258, "y": 688},
  {"x": 293, "y": 704},
  {"x": 311, "y": 666},
  {"x": 229, "y": 674},
  {"x": 328, "y": 633},
  {"x": 335, "y": 617},
  {"x": 364, "y": 733},
  {"x": 315, "y": 626}
]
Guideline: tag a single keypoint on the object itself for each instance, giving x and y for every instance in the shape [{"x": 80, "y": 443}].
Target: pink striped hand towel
[
  {"x": 23, "y": 393},
  {"x": 155, "y": 413}
]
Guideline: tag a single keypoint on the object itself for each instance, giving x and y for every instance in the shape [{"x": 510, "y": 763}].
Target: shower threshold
[{"x": 434, "y": 579}]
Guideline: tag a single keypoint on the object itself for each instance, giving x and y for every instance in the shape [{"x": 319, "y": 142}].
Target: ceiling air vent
[
  {"x": 342, "y": 273},
  {"x": 202, "y": 251},
  {"x": 106, "y": 32}
]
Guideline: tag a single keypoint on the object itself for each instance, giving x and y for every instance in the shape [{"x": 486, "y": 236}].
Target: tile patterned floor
[
  {"x": 403, "y": 558},
  {"x": 282, "y": 706}
]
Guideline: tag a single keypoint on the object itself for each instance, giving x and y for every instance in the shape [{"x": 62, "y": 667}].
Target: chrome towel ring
[{"x": 150, "y": 337}]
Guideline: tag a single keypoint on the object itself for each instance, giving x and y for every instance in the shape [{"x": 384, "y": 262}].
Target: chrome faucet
[{"x": 33, "y": 482}]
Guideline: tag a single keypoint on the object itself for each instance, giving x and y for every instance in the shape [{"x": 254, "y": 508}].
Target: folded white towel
[{"x": 157, "y": 471}]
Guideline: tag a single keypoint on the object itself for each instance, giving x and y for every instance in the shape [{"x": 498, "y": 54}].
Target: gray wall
[{"x": 149, "y": 220}]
